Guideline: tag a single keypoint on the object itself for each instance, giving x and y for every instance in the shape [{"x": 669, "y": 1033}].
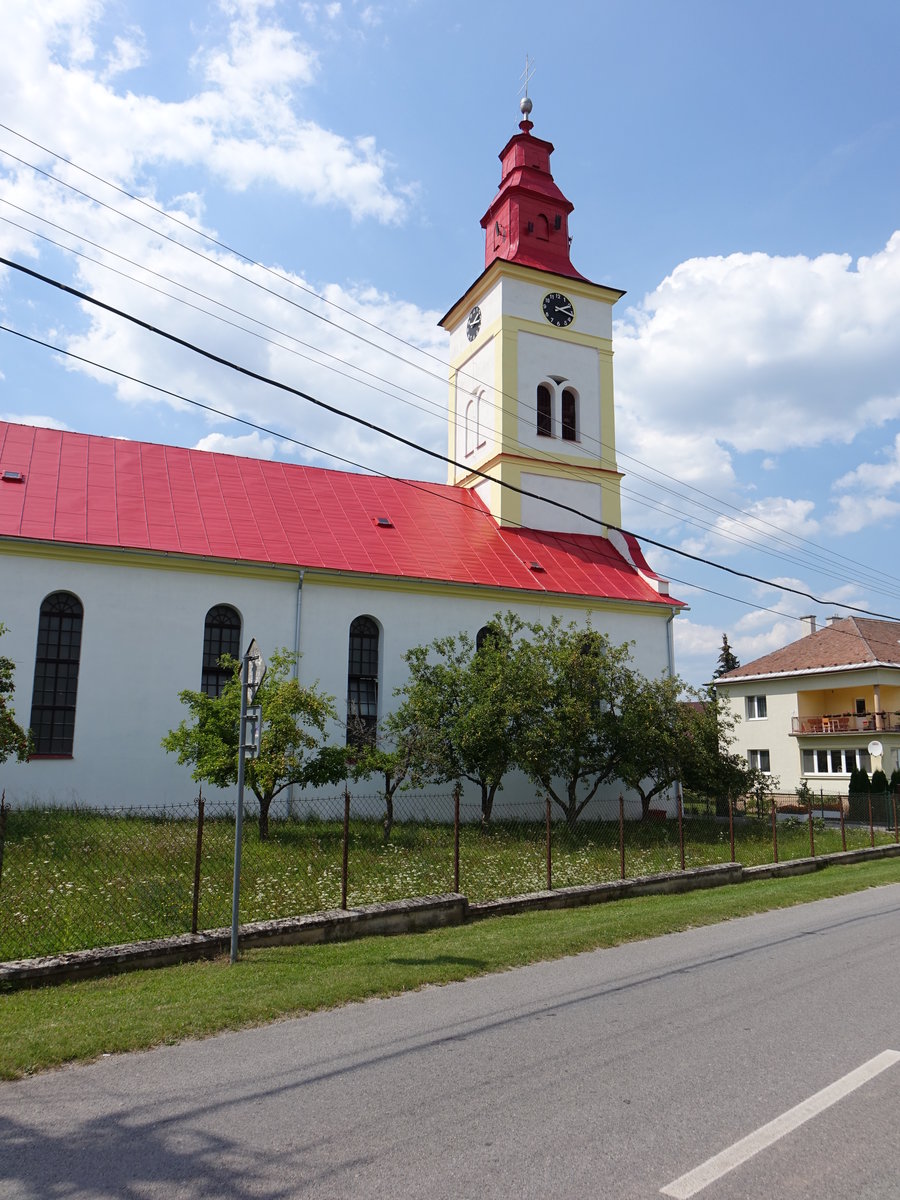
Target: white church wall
[{"x": 142, "y": 643}]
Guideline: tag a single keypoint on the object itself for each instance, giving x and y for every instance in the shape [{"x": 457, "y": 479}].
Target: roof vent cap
[
  {"x": 13, "y": 477},
  {"x": 384, "y": 522},
  {"x": 535, "y": 566}
]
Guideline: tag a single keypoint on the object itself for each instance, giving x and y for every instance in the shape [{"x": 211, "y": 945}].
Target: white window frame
[
  {"x": 851, "y": 756},
  {"x": 753, "y": 707},
  {"x": 755, "y": 760}
]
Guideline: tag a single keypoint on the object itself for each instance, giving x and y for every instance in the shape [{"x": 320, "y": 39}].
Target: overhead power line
[
  {"x": 753, "y": 523},
  {"x": 247, "y": 372}
]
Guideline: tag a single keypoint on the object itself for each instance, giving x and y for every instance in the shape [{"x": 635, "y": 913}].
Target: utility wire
[
  {"x": 639, "y": 497},
  {"x": 780, "y": 535},
  {"x": 560, "y": 538},
  {"x": 409, "y": 442}
]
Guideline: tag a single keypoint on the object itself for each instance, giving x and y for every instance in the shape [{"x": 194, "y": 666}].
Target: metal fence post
[
  {"x": 621, "y": 837},
  {"x": 549, "y": 851},
  {"x": 345, "y": 858},
  {"x": 843, "y": 830},
  {"x": 774, "y": 832},
  {"x": 871, "y": 824},
  {"x": 456, "y": 791},
  {"x": 812, "y": 840},
  {"x": 680, "y": 826},
  {"x": 731, "y": 824},
  {"x": 3, "y": 811},
  {"x": 896, "y": 826},
  {"x": 196, "y": 904}
]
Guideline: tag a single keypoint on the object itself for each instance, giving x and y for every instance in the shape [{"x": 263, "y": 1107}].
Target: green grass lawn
[
  {"x": 75, "y": 1022},
  {"x": 76, "y": 879}
]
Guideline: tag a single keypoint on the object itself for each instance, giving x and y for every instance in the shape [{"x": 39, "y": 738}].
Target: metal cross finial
[{"x": 525, "y": 104}]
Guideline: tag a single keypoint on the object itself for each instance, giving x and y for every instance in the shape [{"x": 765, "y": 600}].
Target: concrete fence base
[{"x": 397, "y": 916}]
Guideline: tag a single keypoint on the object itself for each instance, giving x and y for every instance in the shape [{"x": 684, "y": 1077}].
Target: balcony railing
[{"x": 873, "y": 722}]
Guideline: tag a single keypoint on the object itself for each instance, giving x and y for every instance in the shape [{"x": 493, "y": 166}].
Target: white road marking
[{"x": 714, "y": 1168}]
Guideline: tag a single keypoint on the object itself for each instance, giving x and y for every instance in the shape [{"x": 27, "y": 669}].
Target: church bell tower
[{"x": 531, "y": 375}]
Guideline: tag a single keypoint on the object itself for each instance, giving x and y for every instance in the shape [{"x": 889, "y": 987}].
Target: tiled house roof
[{"x": 850, "y": 642}]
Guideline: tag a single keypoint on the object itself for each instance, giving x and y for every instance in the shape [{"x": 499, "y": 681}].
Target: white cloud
[
  {"x": 245, "y": 124},
  {"x": 250, "y": 445},
  {"x": 38, "y": 419},
  {"x": 754, "y": 352}
]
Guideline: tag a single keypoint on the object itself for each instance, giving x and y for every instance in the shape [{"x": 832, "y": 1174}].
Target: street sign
[{"x": 253, "y": 731}]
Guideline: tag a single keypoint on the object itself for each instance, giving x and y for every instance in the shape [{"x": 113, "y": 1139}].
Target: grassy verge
[
  {"x": 76, "y": 879},
  {"x": 51, "y": 1026}
]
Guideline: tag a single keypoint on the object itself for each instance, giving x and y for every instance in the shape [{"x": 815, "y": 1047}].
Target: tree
[
  {"x": 653, "y": 731},
  {"x": 464, "y": 708},
  {"x": 14, "y": 740},
  {"x": 727, "y": 660},
  {"x": 879, "y": 783},
  {"x": 570, "y": 740},
  {"x": 390, "y": 751},
  {"x": 292, "y": 743},
  {"x": 710, "y": 766}
]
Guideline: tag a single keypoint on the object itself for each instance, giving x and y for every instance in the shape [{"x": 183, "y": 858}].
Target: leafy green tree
[
  {"x": 895, "y": 780},
  {"x": 653, "y": 730},
  {"x": 570, "y": 745},
  {"x": 727, "y": 660},
  {"x": 14, "y": 740},
  {"x": 710, "y": 766},
  {"x": 389, "y": 752},
  {"x": 859, "y": 782},
  {"x": 879, "y": 783},
  {"x": 464, "y": 708},
  {"x": 292, "y": 744}
]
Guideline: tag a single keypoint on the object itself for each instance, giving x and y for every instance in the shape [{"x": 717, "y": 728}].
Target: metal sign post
[{"x": 253, "y": 671}]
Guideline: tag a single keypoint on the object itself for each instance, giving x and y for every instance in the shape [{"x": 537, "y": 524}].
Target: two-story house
[{"x": 822, "y": 705}]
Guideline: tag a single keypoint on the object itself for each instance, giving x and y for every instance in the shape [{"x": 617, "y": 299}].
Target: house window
[
  {"x": 860, "y": 707},
  {"x": 569, "y": 412},
  {"x": 362, "y": 681},
  {"x": 759, "y": 760},
  {"x": 544, "y": 412},
  {"x": 835, "y": 762},
  {"x": 221, "y": 635},
  {"x": 56, "y": 674},
  {"x": 756, "y": 708}
]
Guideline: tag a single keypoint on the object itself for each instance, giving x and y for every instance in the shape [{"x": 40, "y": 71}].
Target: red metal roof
[{"x": 103, "y": 492}]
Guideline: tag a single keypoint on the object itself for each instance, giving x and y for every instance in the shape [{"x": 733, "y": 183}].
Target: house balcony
[{"x": 834, "y": 723}]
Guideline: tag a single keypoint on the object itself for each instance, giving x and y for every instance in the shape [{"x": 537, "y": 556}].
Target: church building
[{"x": 127, "y": 568}]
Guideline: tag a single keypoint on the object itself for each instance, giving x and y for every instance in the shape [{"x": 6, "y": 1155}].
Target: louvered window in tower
[
  {"x": 569, "y": 415},
  {"x": 544, "y": 412}
]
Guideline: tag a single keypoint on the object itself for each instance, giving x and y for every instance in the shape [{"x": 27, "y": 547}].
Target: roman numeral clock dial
[{"x": 558, "y": 309}]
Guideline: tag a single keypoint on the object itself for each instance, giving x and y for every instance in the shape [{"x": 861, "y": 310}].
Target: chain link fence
[{"x": 75, "y": 878}]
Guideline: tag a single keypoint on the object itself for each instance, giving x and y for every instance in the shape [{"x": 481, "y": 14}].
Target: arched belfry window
[
  {"x": 56, "y": 674},
  {"x": 221, "y": 635},
  {"x": 544, "y": 411},
  {"x": 542, "y": 227},
  {"x": 479, "y": 421},
  {"x": 362, "y": 681},
  {"x": 569, "y": 416}
]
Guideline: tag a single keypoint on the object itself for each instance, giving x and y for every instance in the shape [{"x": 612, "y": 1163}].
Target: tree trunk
[{"x": 264, "y": 803}]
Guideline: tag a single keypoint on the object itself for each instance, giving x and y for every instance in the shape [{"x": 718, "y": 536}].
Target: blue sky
[{"x": 735, "y": 168}]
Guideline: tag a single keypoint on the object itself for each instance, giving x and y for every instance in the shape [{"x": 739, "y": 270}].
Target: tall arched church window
[
  {"x": 221, "y": 635},
  {"x": 569, "y": 416},
  {"x": 544, "y": 411},
  {"x": 362, "y": 681},
  {"x": 56, "y": 674},
  {"x": 479, "y": 421}
]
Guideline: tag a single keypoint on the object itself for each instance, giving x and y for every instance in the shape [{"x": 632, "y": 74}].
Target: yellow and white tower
[{"x": 531, "y": 381}]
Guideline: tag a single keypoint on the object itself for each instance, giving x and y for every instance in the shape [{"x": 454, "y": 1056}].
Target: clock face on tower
[
  {"x": 473, "y": 324},
  {"x": 558, "y": 309}
]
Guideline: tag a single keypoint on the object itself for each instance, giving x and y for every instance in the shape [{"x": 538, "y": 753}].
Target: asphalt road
[{"x": 611, "y": 1074}]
